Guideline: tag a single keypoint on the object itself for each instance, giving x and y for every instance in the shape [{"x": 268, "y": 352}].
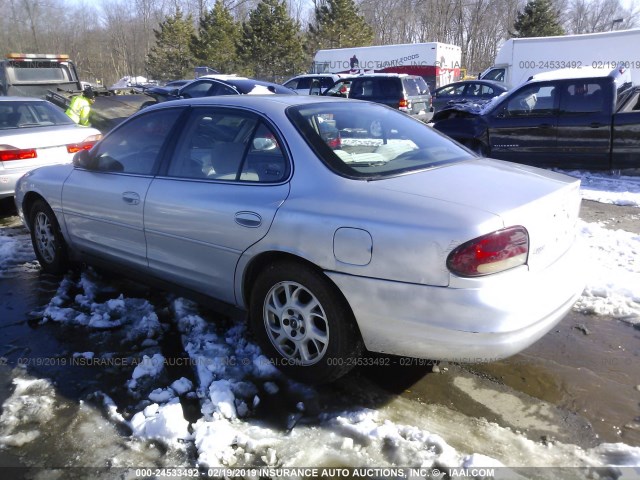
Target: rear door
[
  {"x": 217, "y": 196},
  {"x": 523, "y": 128},
  {"x": 103, "y": 204},
  {"x": 584, "y": 123}
]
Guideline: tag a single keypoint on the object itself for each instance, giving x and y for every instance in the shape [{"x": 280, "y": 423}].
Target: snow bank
[
  {"x": 606, "y": 188},
  {"x": 613, "y": 273}
]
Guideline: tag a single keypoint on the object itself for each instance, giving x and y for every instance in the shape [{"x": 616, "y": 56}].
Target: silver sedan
[
  {"x": 33, "y": 133},
  {"x": 333, "y": 240}
]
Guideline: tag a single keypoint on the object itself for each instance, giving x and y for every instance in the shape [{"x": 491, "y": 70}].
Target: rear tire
[
  {"x": 303, "y": 323},
  {"x": 46, "y": 237}
]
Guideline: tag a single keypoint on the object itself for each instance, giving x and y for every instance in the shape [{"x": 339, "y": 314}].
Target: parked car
[
  {"x": 339, "y": 89},
  {"x": 34, "y": 132},
  {"x": 212, "y": 85},
  {"x": 332, "y": 239},
  {"x": 407, "y": 93},
  {"x": 572, "y": 118},
  {"x": 313, "y": 83},
  {"x": 476, "y": 91}
]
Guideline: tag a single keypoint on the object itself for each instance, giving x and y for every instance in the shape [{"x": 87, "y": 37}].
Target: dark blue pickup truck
[{"x": 569, "y": 118}]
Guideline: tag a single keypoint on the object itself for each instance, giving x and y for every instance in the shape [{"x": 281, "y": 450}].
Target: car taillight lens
[
  {"x": 334, "y": 143},
  {"x": 404, "y": 104},
  {"x": 86, "y": 144},
  {"x": 492, "y": 253},
  {"x": 8, "y": 153}
]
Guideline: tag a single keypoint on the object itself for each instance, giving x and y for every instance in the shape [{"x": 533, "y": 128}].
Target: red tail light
[
  {"x": 492, "y": 253},
  {"x": 17, "y": 154},
  {"x": 86, "y": 144},
  {"x": 334, "y": 143},
  {"x": 404, "y": 104},
  {"x": 76, "y": 147}
]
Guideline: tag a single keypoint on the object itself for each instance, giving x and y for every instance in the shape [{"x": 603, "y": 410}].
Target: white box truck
[
  {"x": 438, "y": 63},
  {"x": 520, "y": 58}
]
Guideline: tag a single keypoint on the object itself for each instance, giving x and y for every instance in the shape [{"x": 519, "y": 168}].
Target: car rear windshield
[
  {"x": 370, "y": 141},
  {"x": 415, "y": 86},
  {"x": 20, "y": 114}
]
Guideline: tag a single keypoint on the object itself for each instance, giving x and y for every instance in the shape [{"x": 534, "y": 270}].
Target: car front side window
[
  {"x": 136, "y": 146},
  {"x": 196, "y": 90},
  {"x": 533, "y": 100}
]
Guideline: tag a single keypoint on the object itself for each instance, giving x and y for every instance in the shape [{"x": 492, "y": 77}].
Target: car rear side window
[
  {"x": 228, "y": 145},
  {"x": 581, "y": 97}
]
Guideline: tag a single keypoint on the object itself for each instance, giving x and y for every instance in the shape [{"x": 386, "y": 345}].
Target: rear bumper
[
  {"x": 8, "y": 179},
  {"x": 499, "y": 317}
]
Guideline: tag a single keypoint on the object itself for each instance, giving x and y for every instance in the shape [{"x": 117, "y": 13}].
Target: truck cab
[
  {"x": 32, "y": 75},
  {"x": 563, "y": 118}
]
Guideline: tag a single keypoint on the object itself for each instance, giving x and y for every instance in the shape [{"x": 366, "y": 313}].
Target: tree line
[{"x": 275, "y": 39}]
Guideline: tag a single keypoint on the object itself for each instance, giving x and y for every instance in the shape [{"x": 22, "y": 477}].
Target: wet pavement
[{"x": 578, "y": 385}]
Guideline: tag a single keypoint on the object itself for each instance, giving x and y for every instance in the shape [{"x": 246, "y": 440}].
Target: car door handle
[
  {"x": 132, "y": 198},
  {"x": 595, "y": 125},
  {"x": 248, "y": 219},
  {"x": 545, "y": 125}
]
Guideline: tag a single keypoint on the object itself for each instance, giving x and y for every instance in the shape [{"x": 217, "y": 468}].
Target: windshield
[
  {"x": 21, "y": 114},
  {"x": 369, "y": 141},
  {"x": 41, "y": 71}
]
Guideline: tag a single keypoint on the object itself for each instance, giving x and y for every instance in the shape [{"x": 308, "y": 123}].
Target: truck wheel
[
  {"x": 46, "y": 237},
  {"x": 303, "y": 323}
]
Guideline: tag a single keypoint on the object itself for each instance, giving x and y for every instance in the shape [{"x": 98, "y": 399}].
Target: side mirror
[{"x": 83, "y": 159}]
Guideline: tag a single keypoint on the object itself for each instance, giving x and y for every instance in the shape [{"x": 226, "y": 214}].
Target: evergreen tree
[
  {"x": 171, "y": 58},
  {"x": 271, "y": 44},
  {"x": 539, "y": 19},
  {"x": 216, "y": 43},
  {"x": 338, "y": 25}
]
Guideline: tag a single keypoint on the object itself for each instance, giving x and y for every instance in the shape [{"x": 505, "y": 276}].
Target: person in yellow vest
[{"x": 80, "y": 106}]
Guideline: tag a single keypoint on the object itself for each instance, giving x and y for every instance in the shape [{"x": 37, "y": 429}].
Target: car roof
[
  {"x": 385, "y": 75},
  {"x": 21, "y": 99},
  {"x": 313, "y": 75},
  {"x": 266, "y": 102},
  {"x": 492, "y": 83},
  {"x": 576, "y": 73}
]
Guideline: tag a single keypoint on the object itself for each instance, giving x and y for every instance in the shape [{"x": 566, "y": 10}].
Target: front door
[
  {"x": 103, "y": 203},
  {"x": 524, "y": 128}
]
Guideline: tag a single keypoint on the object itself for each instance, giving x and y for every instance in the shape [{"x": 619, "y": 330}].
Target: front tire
[
  {"x": 46, "y": 237},
  {"x": 303, "y": 323}
]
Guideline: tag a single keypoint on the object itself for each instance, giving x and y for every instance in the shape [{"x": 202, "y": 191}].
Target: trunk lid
[{"x": 545, "y": 203}]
